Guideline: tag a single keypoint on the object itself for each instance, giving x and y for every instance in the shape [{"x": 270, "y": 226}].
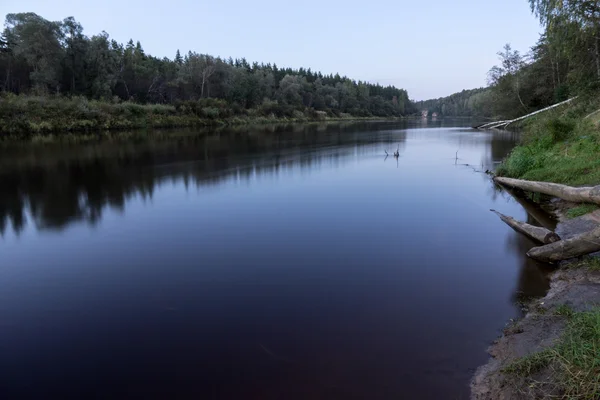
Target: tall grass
[
  {"x": 574, "y": 361},
  {"x": 559, "y": 146},
  {"x": 578, "y": 356}
]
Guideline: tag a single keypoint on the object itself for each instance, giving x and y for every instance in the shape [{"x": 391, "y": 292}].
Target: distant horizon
[{"x": 430, "y": 52}]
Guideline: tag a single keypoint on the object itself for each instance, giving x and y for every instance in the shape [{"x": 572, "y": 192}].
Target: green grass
[
  {"x": 575, "y": 359},
  {"x": 588, "y": 262},
  {"x": 564, "y": 310},
  {"x": 528, "y": 365},
  {"x": 578, "y": 356},
  {"x": 581, "y": 210},
  {"x": 558, "y": 146}
]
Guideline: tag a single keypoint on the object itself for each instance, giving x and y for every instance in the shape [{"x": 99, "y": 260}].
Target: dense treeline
[
  {"x": 44, "y": 57},
  {"x": 468, "y": 103},
  {"x": 560, "y": 145},
  {"x": 563, "y": 63}
]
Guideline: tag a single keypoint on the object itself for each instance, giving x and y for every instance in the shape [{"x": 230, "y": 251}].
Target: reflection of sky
[{"x": 355, "y": 254}]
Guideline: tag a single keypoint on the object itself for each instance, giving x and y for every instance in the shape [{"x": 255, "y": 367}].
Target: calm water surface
[{"x": 287, "y": 263}]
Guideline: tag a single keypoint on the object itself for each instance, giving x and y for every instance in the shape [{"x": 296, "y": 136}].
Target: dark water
[{"x": 289, "y": 263}]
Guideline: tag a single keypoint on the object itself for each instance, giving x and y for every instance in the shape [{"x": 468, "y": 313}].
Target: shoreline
[
  {"x": 574, "y": 288},
  {"x": 60, "y": 132},
  {"x": 25, "y": 117},
  {"x": 154, "y": 132}
]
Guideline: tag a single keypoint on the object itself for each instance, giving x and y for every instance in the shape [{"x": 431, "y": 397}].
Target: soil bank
[{"x": 541, "y": 327}]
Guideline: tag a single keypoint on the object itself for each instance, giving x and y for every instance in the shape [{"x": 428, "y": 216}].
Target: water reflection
[
  {"x": 533, "y": 277},
  {"x": 61, "y": 185},
  {"x": 280, "y": 262},
  {"x": 58, "y": 185}
]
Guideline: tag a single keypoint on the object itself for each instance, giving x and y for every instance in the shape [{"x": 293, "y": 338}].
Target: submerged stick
[
  {"x": 575, "y": 194},
  {"x": 580, "y": 245},
  {"x": 537, "y": 233}
]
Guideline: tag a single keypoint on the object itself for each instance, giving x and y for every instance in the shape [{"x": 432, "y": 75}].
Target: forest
[
  {"x": 56, "y": 59},
  {"x": 565, "y": 62},
  {"x": 55, "y": 77},
  {"x": 468, "y": 103},
  {"x": 560, "y": 145}
]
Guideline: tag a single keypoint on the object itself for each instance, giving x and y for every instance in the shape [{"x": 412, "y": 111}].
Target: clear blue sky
[{"x": 431, "y": 48}]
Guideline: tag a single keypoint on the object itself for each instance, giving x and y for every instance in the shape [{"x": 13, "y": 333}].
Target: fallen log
[
  {"x": 537, "y": 233},
  {"x": 532, "y": 209},
  {"x": 488, "y": 124},
  {"x": 575, "y": 194},
  {"x": 577, "y": 246},
  {"x": 506, "y": 123}
]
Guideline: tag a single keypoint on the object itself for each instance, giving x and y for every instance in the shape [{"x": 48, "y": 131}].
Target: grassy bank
[
  {"x": 27, "y": 117},
  {"x": 573, "y": 364},
  {"x": 559, "y": 146},
  {"x": 563, "y": 146}
]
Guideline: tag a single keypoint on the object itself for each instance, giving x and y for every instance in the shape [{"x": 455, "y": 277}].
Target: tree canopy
[
  {"x": 56, "y": 57},
  {"x": 564, "y": 62},
  {"x": 468, "y": 103}
]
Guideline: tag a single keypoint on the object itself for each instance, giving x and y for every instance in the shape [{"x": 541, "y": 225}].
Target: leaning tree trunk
[
  {"x": 577, "y": 246},
  {"x": 498, "y": 124},
  {"x": 577, "y": 195},
  {"x": 537, "y": 233},
  {"x": 597, "y": 57}
]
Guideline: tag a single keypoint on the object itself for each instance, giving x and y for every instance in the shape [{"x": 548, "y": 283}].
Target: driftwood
[
  {"x": 577, "y": 246},
  {"x": 504, "y": 124},
  {"x": 577, "y": 195},
  {"x": 537, "y": 233}
]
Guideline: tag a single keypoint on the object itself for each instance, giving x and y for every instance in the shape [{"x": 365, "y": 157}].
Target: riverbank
[
  {"x": 559, "y": 146},
  {"x": 554, "y": 350},
  {"x": 31, "y": 117}
]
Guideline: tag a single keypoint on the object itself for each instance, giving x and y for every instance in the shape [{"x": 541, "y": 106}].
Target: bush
[
  {"x": 321, "y": 114},
  {"x": 210, "y": 112},
  {"x": 162, "y": 109},
  {"x": 269, "y": 107},
  {"x": 298, "y": 114}
]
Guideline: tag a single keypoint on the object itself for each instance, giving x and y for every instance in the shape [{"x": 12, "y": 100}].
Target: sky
[{"x": 431, "y": 49}]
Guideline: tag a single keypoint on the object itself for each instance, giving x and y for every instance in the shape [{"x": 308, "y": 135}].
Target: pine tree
[{"x": 178, "y": 58}]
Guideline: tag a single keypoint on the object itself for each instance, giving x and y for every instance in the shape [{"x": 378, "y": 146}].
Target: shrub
[
  {"x": 320, "y": 114},
  {"x": 270, "y": 107},
  {"x": 298, "y": 114},
  {"x": 210, "y": 112}
]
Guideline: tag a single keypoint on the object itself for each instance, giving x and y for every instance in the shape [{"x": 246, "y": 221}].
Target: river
[{"x": 292, "y": 262}]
